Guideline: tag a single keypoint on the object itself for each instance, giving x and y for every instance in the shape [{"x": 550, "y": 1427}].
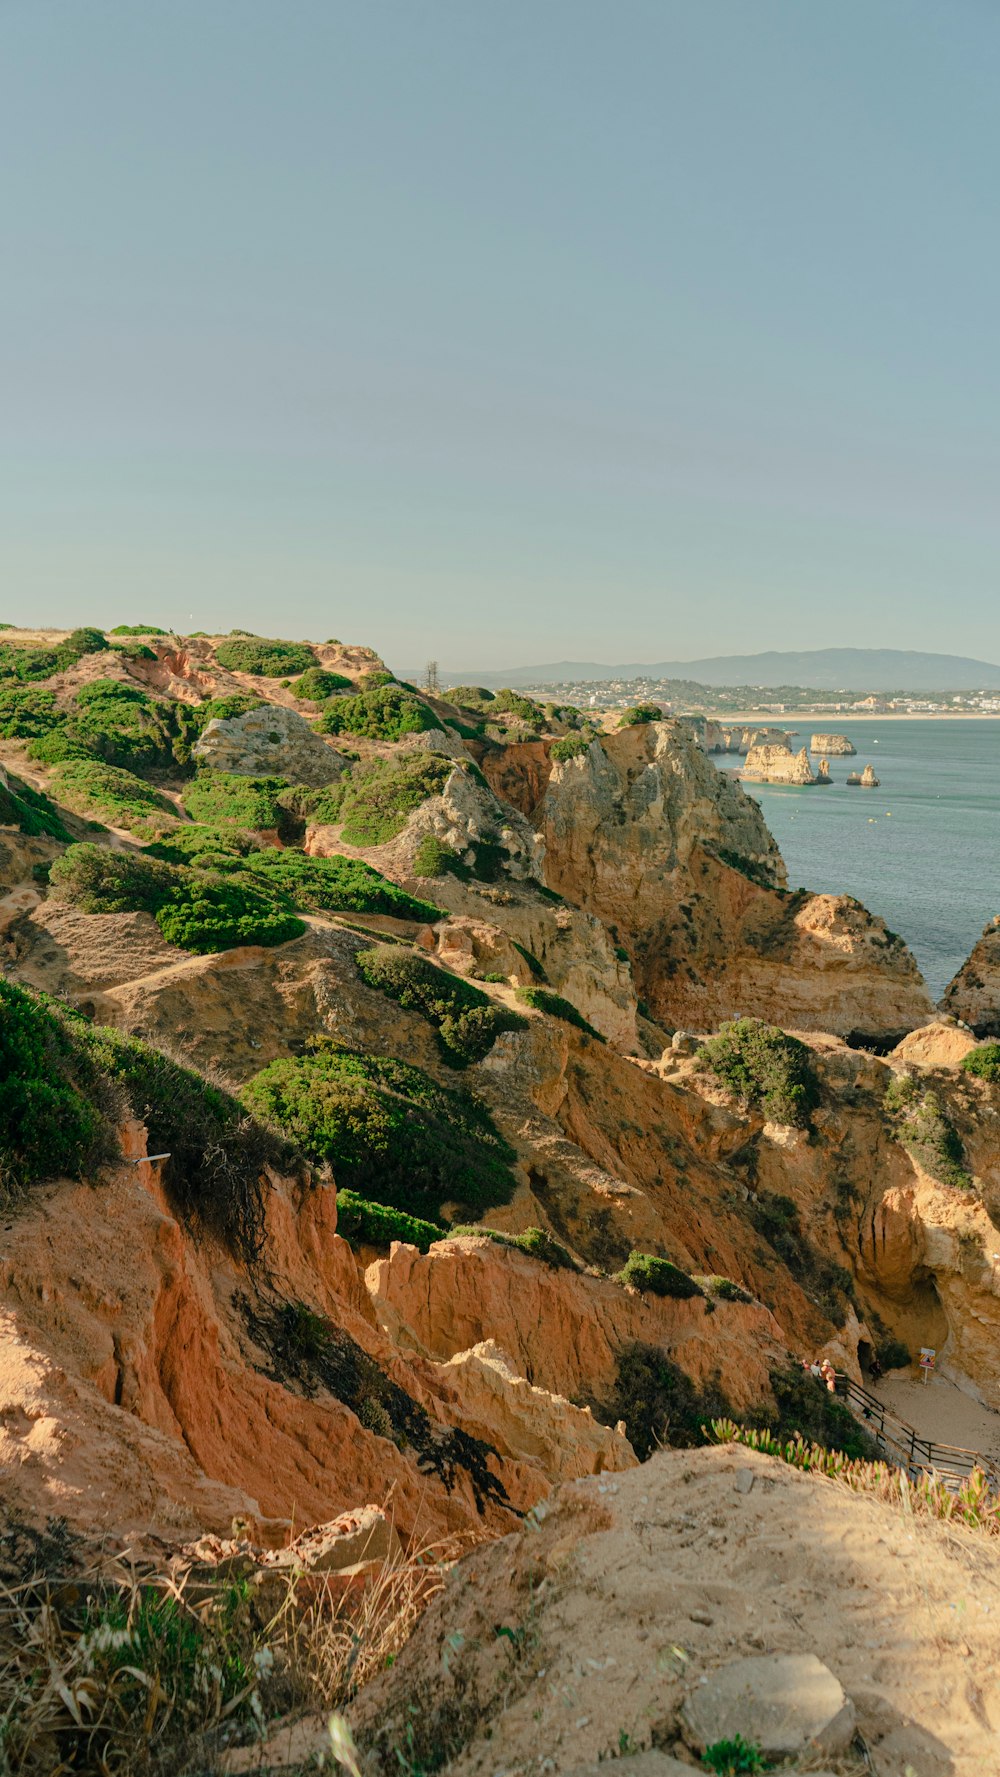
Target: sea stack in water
[
  {"x": 823, "y": 772},
  {"x": 778, "y": 765},
  {"x": 866, "y": 780},
  {"x": 832, "y": 744}
]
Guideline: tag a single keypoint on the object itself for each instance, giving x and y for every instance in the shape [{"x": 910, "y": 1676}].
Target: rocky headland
[{"x": 357, "y": 1153}]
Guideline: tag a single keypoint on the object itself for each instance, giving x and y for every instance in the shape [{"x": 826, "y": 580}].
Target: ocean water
[{"x": 922, "y": 851}]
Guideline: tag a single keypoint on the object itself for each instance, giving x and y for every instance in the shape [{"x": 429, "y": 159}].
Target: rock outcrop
[
  {"x": 866, "y": 779},
  {"x": 777, "y": 765},
  {"x": 974, "y": 993},
  {"x": 832, "y": 745},
  {"x": 270, "y": 742},
  {"x": 676, "y": 861}
]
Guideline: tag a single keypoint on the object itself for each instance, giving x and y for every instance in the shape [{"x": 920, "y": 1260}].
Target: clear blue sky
[{"x": 504, "y": 330}]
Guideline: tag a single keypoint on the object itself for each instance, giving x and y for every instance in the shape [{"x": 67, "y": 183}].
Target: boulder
[
  {"x": 270, "y": 742},
  {"x": 785, "y": 1703}
]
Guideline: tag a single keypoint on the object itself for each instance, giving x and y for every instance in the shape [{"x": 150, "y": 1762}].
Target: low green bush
[
  {"x": 194, "y": 909},
  {"x": 224, "y": 709},
  {"x": 221, "y": 798},
  {"x": 386, "y": 713},
  {"x": 893, "y": 1354},
  {"x": 377, "y": 1224},
  {"x": 377, "y": 799},
  {"x": 434, "y": 858},
  {"x": 338, "y": 884},
  {"x": 538, "y": 1243},
  {"x": 27, "y": 712},
  {"x": 469, "y": 696},
  {"x": 266, "y": 658},
  {"x": 317, "y": 683},
  {"x": 765, "y": 1069},
  {"x": 122, "y": 725},
  {"x": 85, "y": 641},
  {"x": 542, "y": 1000},
  {"x": 112, "y": 795},
  {"x": 531, "y": 959},
  {"x": 137, "y": 629},
  {"x": 735, "y": 1757},
  {"x": 723, "y": 1289},
  {"x": 656, "y": 1277},
  {"x": 920, "y": 1124},
  {"x": 571, "y": 746},
  {"x": 640, "y": 712},
  {"x": 515, "y": 703},
  {"x": 55, "y": 1108},
  {"x": 465, "y": 1020},
  {"x": 31, "y": 811},
  {"x": 194, "y": 841},
  {"x": 390, "y": 1132},
  {"x": 983, "y": 1063}
]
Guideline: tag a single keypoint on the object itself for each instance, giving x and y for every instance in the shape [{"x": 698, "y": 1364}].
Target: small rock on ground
[{"x": 785, "y": 1703}]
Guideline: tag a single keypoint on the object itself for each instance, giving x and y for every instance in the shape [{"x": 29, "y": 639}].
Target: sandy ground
[{"x": 940, "y": 1410}]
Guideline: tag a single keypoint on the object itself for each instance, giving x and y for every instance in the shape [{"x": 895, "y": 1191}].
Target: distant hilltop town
[{"x": 688, "y": 697}]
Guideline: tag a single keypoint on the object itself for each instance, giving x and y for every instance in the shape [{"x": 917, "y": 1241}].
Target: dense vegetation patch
[
  {"x": 639, "y": 713},
  {"x": 571, "y": 746},
  {"x": 377, "y": 799},
  {"x": 386, "y": 713},
  {"x": 317, "y": 683},
  {"x": 267, "y": 658},
  {"x": 765, "y": 1068},
  {"x": 337, "y": 884},
  {"x": 364, "y": 1223},
  {"x": 26, "y": 711},
  {"x": 466, "y": 1021},
  {"x": 920, "y": 1125},
  {"x": 224, "y": 709},
  {"x": 137, "y": 629},
  {"x": 197, "y": 910},
  {"x": 553, "y": 1003},
  {"x": 65, "y": 1084},
  {"x": 434, "y": 858},
  {"x": 29, "y": 664},
  {"x": 983, "y": 1063},
  {"x": 115, "y": 721},
  {"x": 390, "y": 1132},
  {"x": 538, "y": 1243},
  {"x": 110, "y": 794},
  {"x": 31, "y": 811},
  {"x": 656, "y": 1277},
  {"x": 193, "y": 842},
  {"x": 218, "y": 798},
  {"x": 776, "y": 1217}
]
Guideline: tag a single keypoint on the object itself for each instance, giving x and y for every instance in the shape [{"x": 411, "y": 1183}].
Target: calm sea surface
[{"x": 923, "y": 850}]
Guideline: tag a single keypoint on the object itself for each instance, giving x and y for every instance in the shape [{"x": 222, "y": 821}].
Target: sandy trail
[{"x": 940, "y": 1410}]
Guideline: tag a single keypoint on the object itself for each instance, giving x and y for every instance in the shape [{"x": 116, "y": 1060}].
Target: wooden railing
[{"x": 900, "y": 1444}]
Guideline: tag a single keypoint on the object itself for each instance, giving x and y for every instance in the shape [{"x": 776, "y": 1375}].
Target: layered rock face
[
  {"x": 677, "y": 862},
  {"x": 777, "y": 765},
  {"x": 974, "y": 994},
  {"x": 832, "y": 745},
  {"x": 269, "y": 742}
]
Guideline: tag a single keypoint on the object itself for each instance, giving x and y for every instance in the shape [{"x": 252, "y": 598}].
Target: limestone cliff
[
  {"x": 777, "y": 765},
  {"x": 974, "y": 994},
  {"x": 831, "y": 745}
]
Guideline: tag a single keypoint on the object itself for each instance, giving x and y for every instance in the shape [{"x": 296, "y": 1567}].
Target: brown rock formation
[
  {"x": 777, "y": 765},
  {"x": 832, "y": 744},
  {"x": 269, "y": 742},
  {"x": 866, "y": 780},
  {"x": 974, "y": 994}
]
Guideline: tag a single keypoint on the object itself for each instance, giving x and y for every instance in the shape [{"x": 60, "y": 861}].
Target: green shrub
[
  {"x": 197, "y": 911},
  {"x": 640, "y": 712},
  {"x": 469, "y": 696},
  {"x": 893, "y": 1354},
  {"x": 192, "y": 842},
  {"x": 27, "y": 664},
  {"x": 221, "y": 798},
  {"x": 434, "y": 858},
  {"x": 536, "y": 1242},
  {"x": 54, "y": 1106},
  {"x": 266, "y": 658},
  {"x": 26, "y": 712},
  {"x": 377, "y": 799},
  {"x": 134, "y": 650},
  {"x": 556, "y": 1007},
  {"x": 338, "y": 884},
  {"x": 734, "y": 1758},
  {"x": 390, "y": 1133},
  {"x": 531, "y": 959},
  {"x": 218, "y": 1150},
  {"x": 656, "y": 1277},
  {"x": 827, "y": 1283},
  {"x": 516, "y": 704},
  {"x": 386, "y": 713},
  {"x": 223, "y": 709},
  {"x": 112, "y": 795},
  {"x": 86, "y": 641},
  {"x": 659, "y": 1403},
  {"x": 723, "y": 1289},
  {"x": 920, "y": 1125},
  {"x": 571, "y": 746},
  {"x": 31, "y": 811},
  {"x": 120, "y": 724},
  {"x": 317, "y": 683},
  {"x": 99, "y": 880},
  {"x": 466, "y": 1021},
  {"x": 377, "y": 1224},
  {"x": 983, "y": 1062},
  {"x": 137, "y": 629},
  {"x": 765, "y": 1069}
]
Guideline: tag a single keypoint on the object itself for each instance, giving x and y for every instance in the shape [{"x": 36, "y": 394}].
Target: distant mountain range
[{"x": 820, "y": 669}]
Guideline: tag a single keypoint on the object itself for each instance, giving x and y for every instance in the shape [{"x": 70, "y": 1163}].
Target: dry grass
[{"x": 145, "y": 1674}]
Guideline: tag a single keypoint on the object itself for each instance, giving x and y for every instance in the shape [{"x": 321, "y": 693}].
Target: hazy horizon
[{"x": 647, "y": 332}]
